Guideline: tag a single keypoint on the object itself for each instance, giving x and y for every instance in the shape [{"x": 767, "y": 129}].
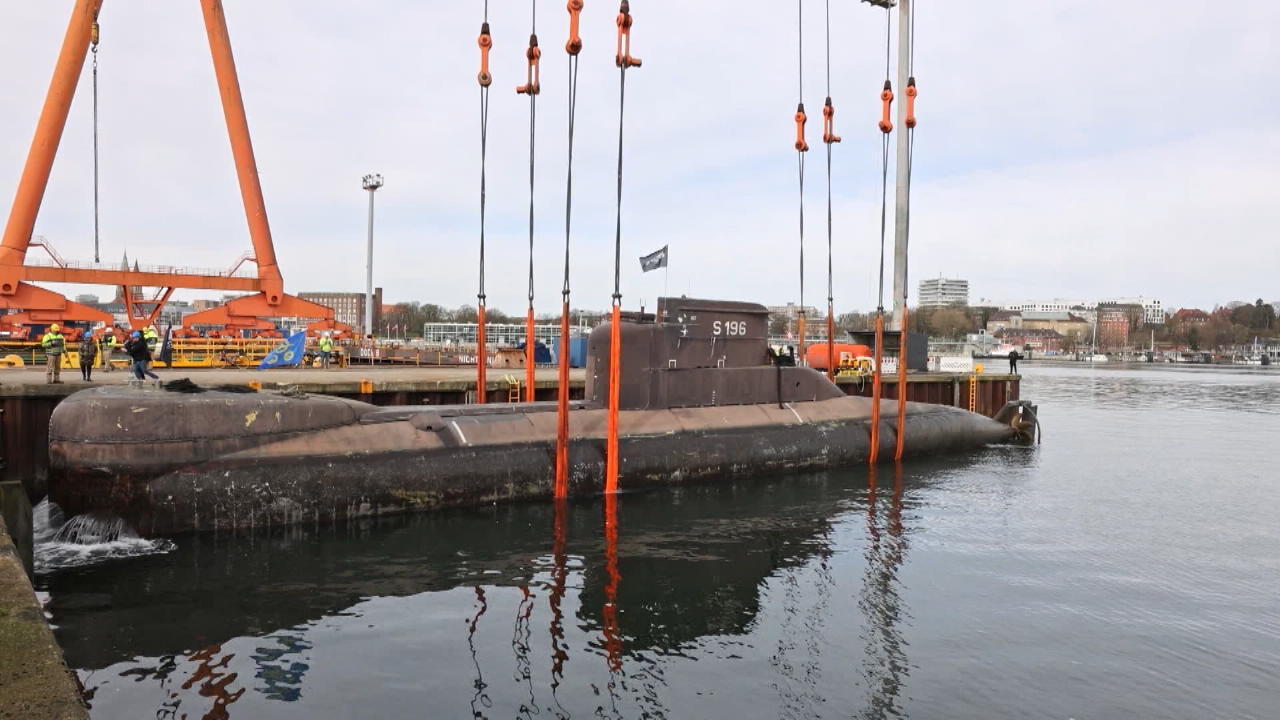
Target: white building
[
  {"x": 940, "y": 292},
  {"x": 1152, "y": 310}
]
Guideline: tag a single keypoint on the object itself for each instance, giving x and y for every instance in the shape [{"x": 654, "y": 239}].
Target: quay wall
[{"x": 34, "y": 679}]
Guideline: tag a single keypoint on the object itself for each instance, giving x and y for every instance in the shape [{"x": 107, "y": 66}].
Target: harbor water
[{"x": 1128, "y": 567}]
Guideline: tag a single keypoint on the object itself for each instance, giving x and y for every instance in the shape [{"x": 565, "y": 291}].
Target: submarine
[{"x": 702, "y": 397}]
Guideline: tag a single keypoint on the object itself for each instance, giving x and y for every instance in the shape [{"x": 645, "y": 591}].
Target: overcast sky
[{"x": 1066, "y": 148}]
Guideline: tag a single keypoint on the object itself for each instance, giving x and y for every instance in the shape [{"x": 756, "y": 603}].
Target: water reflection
[
  {"x": 480, "y": 699},
  {"x": 885, "y": 667},
  {"x": 215, "y": 680},
  {"x": 559, "y": 579},
  {"x": 704, "y": 567}
]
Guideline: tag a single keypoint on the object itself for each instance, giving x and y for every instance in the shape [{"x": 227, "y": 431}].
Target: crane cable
[
  {"x": 910, "y": 122},
  {"x": 97, "y": 258},
  {"x": 532, "y": 86},
  {"x": 573, "y": 46},
  {"x": 886, "y": 127},
  {"x": 802, "y": 147},
  {"x": 485, "y": 79},
  {"x": 623, "y": 59},
  {"x": 830, "y": 138}
]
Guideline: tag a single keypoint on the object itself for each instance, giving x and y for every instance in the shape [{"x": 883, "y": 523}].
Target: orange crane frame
[{"x": 41, "y": 305}]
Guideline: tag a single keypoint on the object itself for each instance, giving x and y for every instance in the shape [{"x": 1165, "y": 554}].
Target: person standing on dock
[
  {"x": 108, "y": 349},
  {"x": 88, "y": 354},
  {"x": 137, "y": 349},
  {"x": 54, "y": 345},
  {"x": 1014, "y": 357},
  {"x": 326, "y": 351}
]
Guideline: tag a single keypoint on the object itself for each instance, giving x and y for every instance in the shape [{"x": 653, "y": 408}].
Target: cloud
[{"x": 1080, "y": 148}]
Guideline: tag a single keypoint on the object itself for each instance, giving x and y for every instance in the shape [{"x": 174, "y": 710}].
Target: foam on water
[{"x": 85, "y": 539}]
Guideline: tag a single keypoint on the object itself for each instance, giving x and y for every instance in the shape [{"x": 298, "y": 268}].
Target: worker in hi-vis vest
[
  {"x": 54, "y": 345},
  {"x": 109, "y": 344},
  {"x": 326, "y": 350}
]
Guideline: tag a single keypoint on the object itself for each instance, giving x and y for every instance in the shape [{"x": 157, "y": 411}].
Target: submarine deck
[{"x": 450, "y": 385}]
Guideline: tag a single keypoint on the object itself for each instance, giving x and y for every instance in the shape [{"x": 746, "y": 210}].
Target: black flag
[{"x": 655, "y": 260}]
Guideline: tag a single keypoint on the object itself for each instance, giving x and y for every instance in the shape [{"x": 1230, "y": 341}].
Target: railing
[{"x": 154, "y": 269}]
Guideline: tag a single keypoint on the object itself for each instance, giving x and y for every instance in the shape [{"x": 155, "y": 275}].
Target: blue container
[{"x": 577, "y": 352}]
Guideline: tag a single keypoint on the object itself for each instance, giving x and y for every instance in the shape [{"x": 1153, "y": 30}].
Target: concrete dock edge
[{"x": 34, "y": 679}]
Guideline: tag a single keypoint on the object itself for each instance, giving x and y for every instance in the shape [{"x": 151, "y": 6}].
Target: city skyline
[{"x": 1054, "y": 199}]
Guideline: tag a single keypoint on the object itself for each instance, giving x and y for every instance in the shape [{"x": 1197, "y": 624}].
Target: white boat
[{"x": 1098, "y": 358}]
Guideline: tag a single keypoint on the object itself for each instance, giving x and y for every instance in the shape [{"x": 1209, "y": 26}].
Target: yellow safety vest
[
  {"x": 53, "y": 343},
  {"x": 326, "y": 345}
]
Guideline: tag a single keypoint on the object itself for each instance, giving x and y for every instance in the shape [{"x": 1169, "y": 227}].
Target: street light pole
[{"x": 371, "y": 183}]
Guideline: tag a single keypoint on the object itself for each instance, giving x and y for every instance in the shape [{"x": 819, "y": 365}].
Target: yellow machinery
[
  {"x": 187, "y": 353},
  {"x": 859, "y": 367}
]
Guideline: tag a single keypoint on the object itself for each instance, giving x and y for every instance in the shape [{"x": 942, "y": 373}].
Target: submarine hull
[{"x": 170, "y": 463}]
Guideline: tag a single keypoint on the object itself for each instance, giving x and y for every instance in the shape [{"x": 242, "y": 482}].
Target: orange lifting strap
[
  {"x": 623, "y": 56},
  {"x": 801, "y": 144},
  {"x": 902, "y": 385},
  {"x": 876, "y": 390},
  {"x": 574, "y": 44},
  {"x": 886, "y": 97},
  {"x": 532, "y": 84},
  {"x": 829, "y": 123},
  {"x": 911, "y": 102},
  {"x": 486, "y": 43}
]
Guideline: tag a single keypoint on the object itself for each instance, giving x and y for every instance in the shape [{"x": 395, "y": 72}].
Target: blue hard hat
[{"x": 136, "y": 334}]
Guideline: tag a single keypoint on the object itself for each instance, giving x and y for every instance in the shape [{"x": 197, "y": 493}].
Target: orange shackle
[
  {"x": 623, "y": 57},
  {"x": 801, "y": 118},
  {"x": 574, "y": 45},
  {"x": 829, "y": 123},
  {"x": 886, "y": 125},
  {"x": 911, "y": 102},
  {"x": 532, "y": 84},
  {"x": 486, "y": 43}
]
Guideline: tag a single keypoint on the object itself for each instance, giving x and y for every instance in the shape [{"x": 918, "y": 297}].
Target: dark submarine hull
[{"x": 170, "y": 462}]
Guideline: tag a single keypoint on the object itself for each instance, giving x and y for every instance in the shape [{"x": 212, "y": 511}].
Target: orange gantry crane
[{"x": 266, "y": 296}]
